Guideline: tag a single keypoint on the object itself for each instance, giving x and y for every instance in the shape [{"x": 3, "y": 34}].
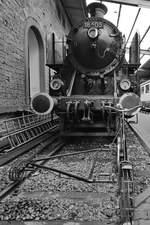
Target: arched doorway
[
  {"x": 34, "y": 60},
  {"x": 34, "y": 63}
]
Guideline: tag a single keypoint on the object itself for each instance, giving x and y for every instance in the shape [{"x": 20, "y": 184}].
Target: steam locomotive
[{"x": 94, "y": 80}]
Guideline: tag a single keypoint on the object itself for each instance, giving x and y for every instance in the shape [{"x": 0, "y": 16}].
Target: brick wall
[{"x": 14, "y": 15}]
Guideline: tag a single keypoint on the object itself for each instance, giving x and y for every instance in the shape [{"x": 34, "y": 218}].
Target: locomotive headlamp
[
  {"x": 125, "y": 84},
  {"x": 93, "y": 32},
  {"x": 56, "y": 84}
]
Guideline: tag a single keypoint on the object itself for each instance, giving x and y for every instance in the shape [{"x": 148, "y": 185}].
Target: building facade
[{"x": 27, "y": 30}]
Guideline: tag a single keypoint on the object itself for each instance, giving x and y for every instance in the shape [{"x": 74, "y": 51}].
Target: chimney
[{"x": 97, "y": 9}]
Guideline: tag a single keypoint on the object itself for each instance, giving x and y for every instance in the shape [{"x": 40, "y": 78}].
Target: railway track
[
  {"x": 101, "y": 168},
  {"x": 97, "y": 164},
  {"x": 93, "y": 161},
  {"x": 85, "y": 171}
]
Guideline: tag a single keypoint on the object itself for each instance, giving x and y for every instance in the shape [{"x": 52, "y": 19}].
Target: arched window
[{"x": 34, "y": 61}]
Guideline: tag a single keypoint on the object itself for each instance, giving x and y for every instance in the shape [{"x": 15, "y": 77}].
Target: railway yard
[
  {"x": 90, "y": 197},
  {"x": 74, "y": 112}
]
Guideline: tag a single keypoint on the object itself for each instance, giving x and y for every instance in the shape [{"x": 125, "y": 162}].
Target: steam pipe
[
  {"x": 71, "y": 83},
  {"x": 42, "y": 103}
]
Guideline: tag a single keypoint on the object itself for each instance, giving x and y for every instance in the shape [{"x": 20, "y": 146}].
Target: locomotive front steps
[
  {"x": 87, "y": 134},
  {"x": 87, "y": 129}
]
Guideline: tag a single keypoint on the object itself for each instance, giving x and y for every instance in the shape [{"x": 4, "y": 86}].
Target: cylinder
[{"x": 42, "y": 103}]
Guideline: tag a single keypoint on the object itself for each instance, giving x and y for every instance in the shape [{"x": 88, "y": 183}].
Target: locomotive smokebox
[
  {"x": 95, "y": 46},
  {"x": 97, "y": 9}
]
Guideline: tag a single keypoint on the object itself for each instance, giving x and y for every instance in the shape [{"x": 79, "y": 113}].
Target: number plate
[{"x": 97, "y": 24}]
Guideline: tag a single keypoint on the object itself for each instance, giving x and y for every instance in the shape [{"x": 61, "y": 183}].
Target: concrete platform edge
[{"x": 146, "y": 194}]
